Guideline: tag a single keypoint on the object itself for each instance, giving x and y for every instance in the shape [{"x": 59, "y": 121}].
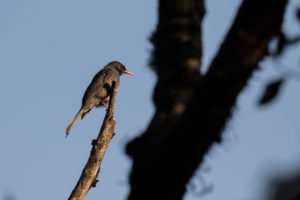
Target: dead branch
[{"x": 91, "y": 170}]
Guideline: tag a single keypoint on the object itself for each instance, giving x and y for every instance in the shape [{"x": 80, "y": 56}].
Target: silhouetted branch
[
  {"x": 192, "y": 111},
  {"x": 91, "y": 170},
  {"x": 283, "y": 43}
]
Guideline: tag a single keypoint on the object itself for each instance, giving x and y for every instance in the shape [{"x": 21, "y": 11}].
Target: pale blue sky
[{"x": 50, "y": 50}]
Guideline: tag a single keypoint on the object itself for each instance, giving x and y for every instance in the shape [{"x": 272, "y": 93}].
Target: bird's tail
[{"x": 81, "y": 111}]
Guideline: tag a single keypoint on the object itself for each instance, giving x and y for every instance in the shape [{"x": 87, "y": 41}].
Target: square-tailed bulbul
[{"x": 98, "y": 92}]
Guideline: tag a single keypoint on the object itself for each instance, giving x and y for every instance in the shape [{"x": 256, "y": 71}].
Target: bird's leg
[
  {"x": 105, "y": 101},
  {"x": 105, "y": 105}
]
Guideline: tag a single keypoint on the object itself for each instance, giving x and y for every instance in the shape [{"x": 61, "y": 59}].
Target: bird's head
[{"x": 119, "y": 67}]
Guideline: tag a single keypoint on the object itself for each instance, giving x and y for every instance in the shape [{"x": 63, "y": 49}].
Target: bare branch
[{"x": 91, "y": 170}]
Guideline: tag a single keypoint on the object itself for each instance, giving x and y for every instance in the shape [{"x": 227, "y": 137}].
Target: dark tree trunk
[{"x": 191, "y": 110}]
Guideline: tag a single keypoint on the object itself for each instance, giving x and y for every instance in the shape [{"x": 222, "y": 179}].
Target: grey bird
[{"x": 98, "y": 92}]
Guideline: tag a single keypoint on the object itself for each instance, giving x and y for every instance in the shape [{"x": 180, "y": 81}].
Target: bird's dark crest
[{"x": 117, "y": 66}]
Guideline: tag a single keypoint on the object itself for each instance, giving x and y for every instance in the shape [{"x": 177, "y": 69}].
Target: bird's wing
[
  {"x": 94, "y": 87},
  {"x": 112, "y": 76},
  {"x": 100, "y": 85}
]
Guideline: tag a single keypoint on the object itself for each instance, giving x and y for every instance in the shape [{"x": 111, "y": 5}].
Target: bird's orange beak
[{"x": 128, "y": 72}]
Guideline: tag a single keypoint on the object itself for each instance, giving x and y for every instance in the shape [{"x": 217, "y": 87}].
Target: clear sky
[{"x": 50, "y": 50}]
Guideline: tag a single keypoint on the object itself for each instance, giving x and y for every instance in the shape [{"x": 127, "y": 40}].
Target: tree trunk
[{"x": 192, "y": 110}]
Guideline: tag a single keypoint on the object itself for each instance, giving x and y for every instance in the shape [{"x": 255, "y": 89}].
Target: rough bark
[
  {"x": 191, "y": 111},
  {"x": 91, "y": 170}
]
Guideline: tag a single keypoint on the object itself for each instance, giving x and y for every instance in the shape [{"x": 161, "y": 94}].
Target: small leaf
[{"x": 271, "y": 91}]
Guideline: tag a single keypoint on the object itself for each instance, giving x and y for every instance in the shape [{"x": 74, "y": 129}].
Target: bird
[{"x": 98, "y": 92}]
